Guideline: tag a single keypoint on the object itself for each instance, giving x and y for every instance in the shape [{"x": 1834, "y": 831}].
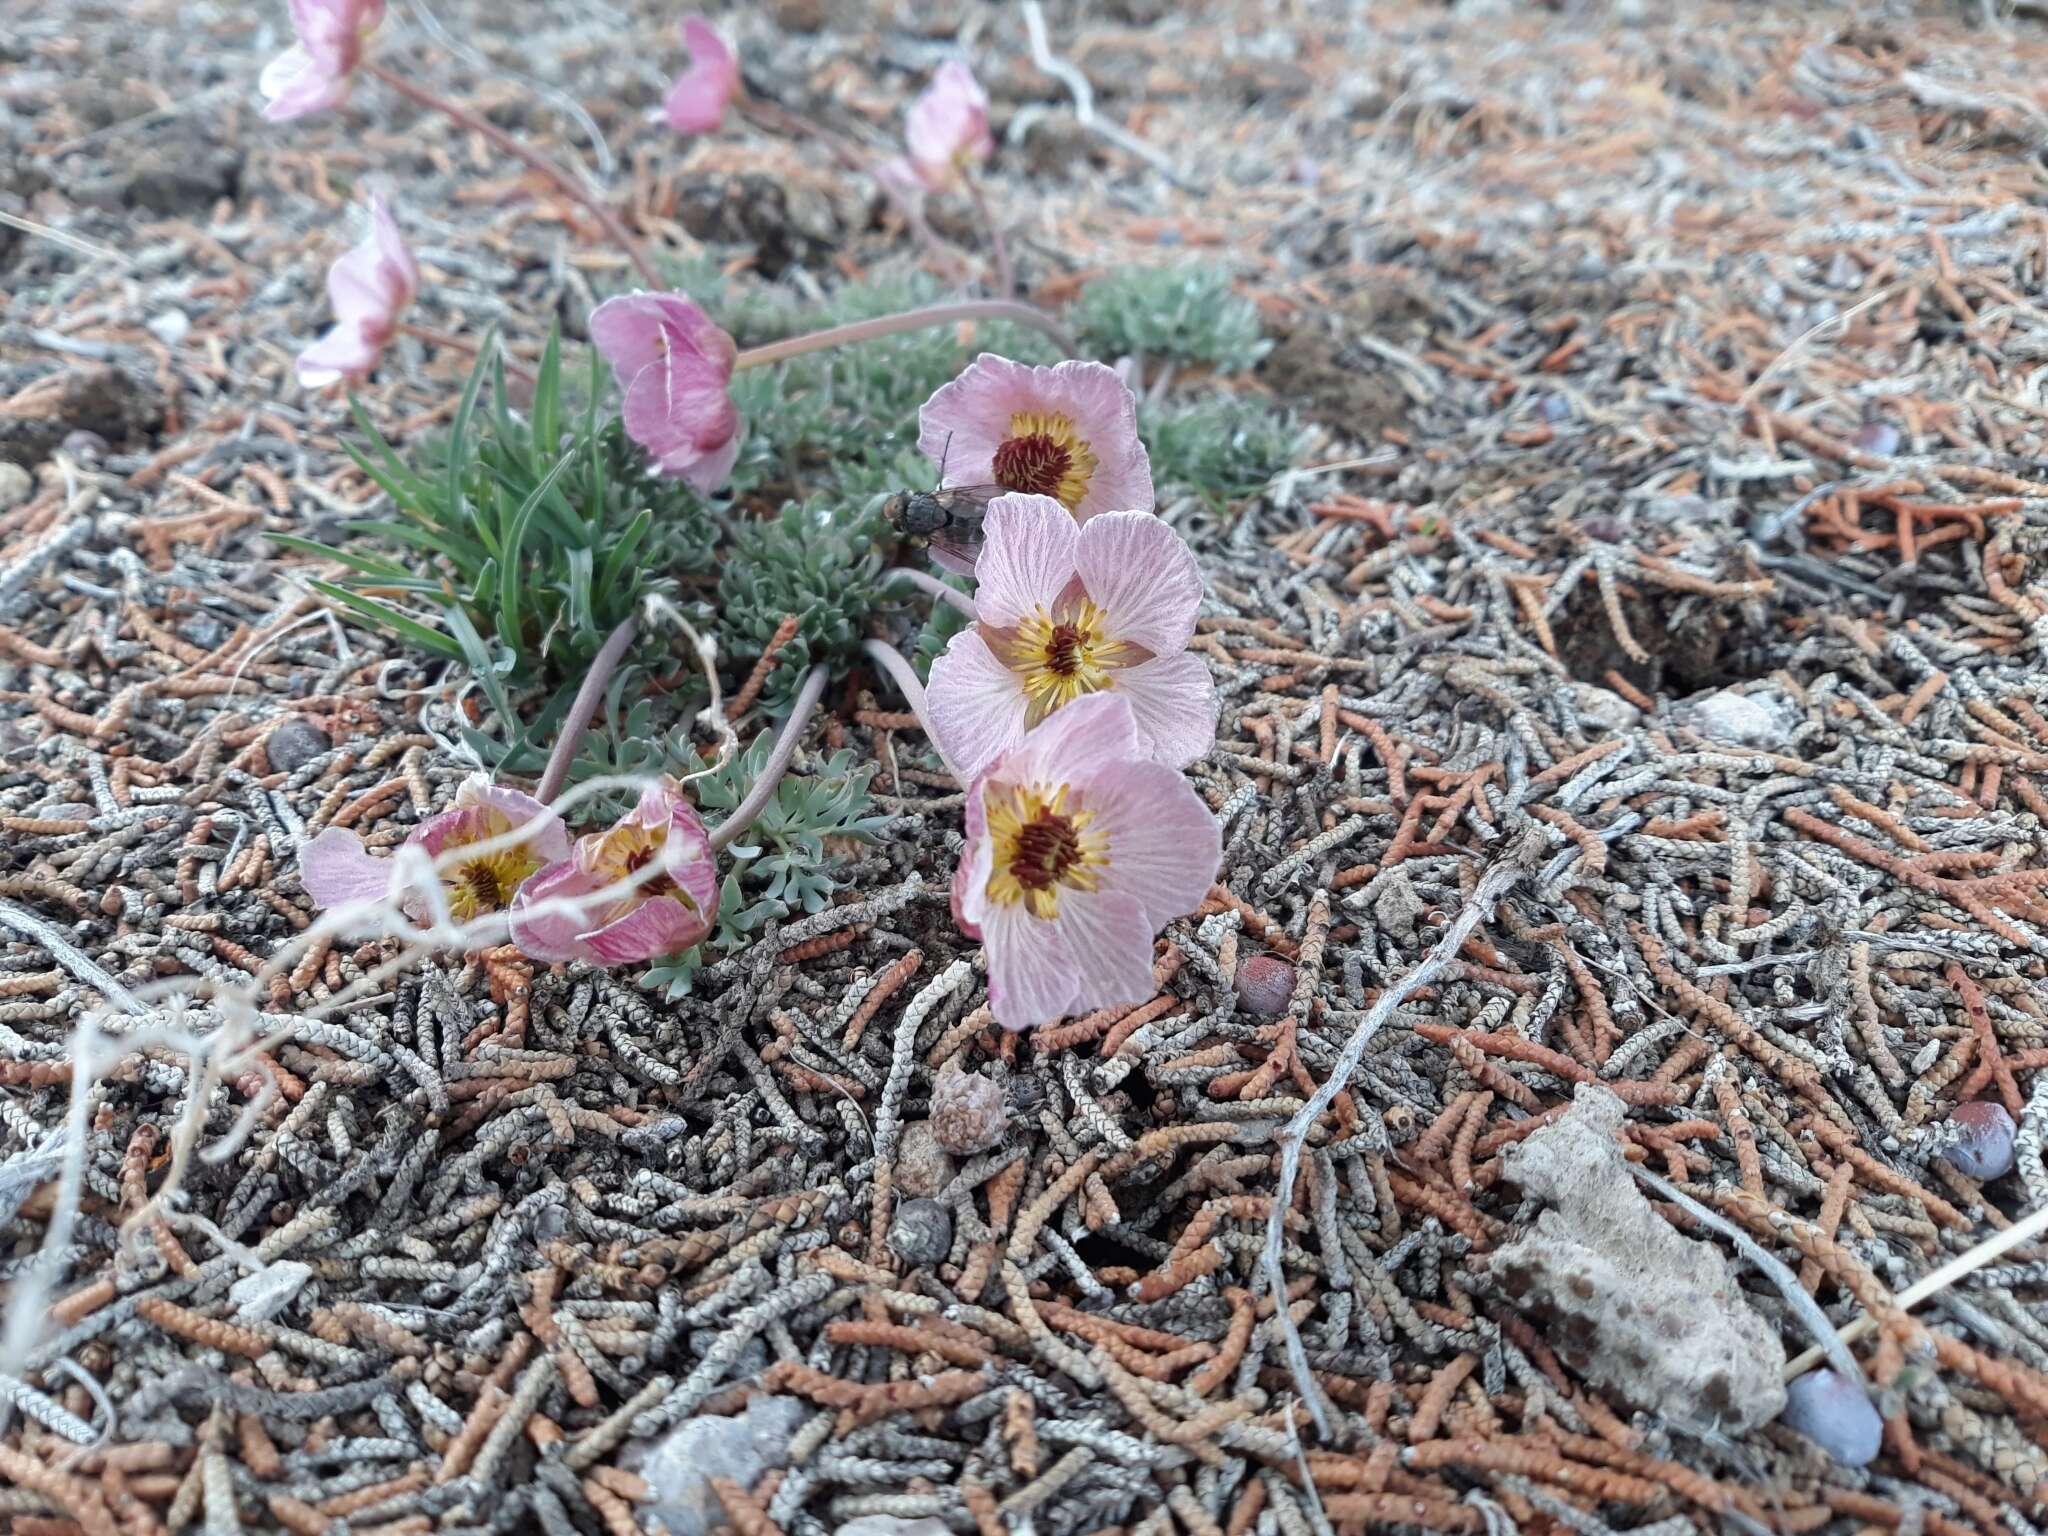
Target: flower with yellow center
[
  {"x": 1042, "y": 456},
  {"x": 1078, "y": 851},
  {"x": 1069, "y": 432},
  {"x": 1066, "y": 611},
  {"x": 481, "y": 851},
  {"x": 643, "y": 888},
  {"x": 1041, "y": 847}
]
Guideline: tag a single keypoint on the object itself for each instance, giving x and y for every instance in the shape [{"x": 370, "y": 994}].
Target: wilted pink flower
[
  {"x": 314, "y": 73},
  {"x": 1078, "y": 851},
  {"x": 675, "y": 367},
  {"x": 1069, "y": 432},
  {"x": 1067, "y": 610},
  {"x": 643, "y": 888},
  {"x": 336, "y": 868},
  {"x": 697, "y": 101},
  {"x": 369, "y": 287},
  {"x": 947, "y": 126}
]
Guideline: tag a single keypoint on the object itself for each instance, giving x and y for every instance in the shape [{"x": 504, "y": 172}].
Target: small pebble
[
  {"x": 1265, "y": 984},
  {"x": 968, "y": 1113},
  {"x": 16, "y": 486},
  {"x": 81, "y": 443},
  {"x": 923, "y": 1167},
  {"x": 1878, "y": 437},
  {"x": 293, "y": 745},
  {"x": 1985, "y": 1150},
  {"x": 1835, "y": 1414},
  {"x": 921, "y": 1232}
]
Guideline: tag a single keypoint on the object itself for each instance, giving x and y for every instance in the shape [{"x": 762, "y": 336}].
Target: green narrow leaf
[
  {"x": 458, "y": 431},
  {"x": 381, "y": 613},
  {"x": 620, "y": 559},
  {"x": 368, "y": 565},
  {"x": 477, "y": 655},
  {"x": 547, "y": 401},
  {"x": 419, "y": 538},
  {"x": 403, "y": 486},
  {"x": 511, "y": 574}
]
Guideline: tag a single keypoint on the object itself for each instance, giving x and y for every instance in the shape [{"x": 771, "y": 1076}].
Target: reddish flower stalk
[
  {"x": 909, "y": 320},
  {"x": 531, "y": 157}
]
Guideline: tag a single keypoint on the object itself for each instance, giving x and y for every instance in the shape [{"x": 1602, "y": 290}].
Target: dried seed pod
[
  {"x": 968, "y": 1113},
  {"x": 1985, "y": 1148},
  {"x": 1265, "y": 984},
  {"x": 922, "y": 1232}
]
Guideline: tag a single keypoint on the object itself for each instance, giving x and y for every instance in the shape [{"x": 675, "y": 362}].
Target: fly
[{"x": 948, "y": 520}]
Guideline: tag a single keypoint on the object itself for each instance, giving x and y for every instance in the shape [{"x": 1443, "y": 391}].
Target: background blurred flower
[
  {"x": 646, "y": 887},
  {"x": 675, "y": 367},
  {"x": 1068, "y": 610},
  {"x": 336, "y": 868},
  {"x": 1069, "y": 432},
  {"x": 314, "y": 73},
  {"x": 369, "y": 288},
  {"x": 1079, "y": 851},
  {"x": 697, "y": 101},
  {"x": 947, "y": 126}
]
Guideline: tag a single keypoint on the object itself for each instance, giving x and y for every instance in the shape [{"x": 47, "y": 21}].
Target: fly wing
[{"x": 955, "y": 555}]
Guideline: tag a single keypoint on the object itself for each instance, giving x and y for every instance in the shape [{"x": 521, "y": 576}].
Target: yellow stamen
[
  {"x": 1062, "y": 653},
  {"x": 1041, "y": 847},
  {"x": 1043, "y": 456}
]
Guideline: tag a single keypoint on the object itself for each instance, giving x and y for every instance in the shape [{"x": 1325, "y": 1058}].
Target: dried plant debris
[
  {"x": 1688, "y": 577},
  {"x": 1627, "y": 1302}
]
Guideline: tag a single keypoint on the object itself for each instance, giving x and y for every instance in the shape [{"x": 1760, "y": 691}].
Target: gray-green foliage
[
  {"x": 1187, "y": 313},
  {"x": 821, "y": 563},
  {"x": 1219, "y": 448}
]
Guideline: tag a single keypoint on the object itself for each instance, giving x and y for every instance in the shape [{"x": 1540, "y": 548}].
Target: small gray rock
[
  {"x": 293, "y": 745},
  {"x": 921, "y": 1232},
  {"x": 681, "y": 1464},
  {"x": 261, "y": 1296},
  {"x": 1835, "y": 1414},
  {"x": 16, "y": 486},
  {"x": 1397, "y": 908},
  {"x": 1762, "y": 718},
  {"x": 923, "y": 1167}
]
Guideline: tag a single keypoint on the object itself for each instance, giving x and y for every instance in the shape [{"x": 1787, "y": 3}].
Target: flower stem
[
  {"x": 908, "y": 320},
  {"x": 904, "y": 676},
  {"x": 513, "y": 366},
  {"x": 763, "y": 788},
  {"x": 925, "y": 581},
  {"x": 520, "y": 150},
  {"x": 998, "y": 247},
  {"x": 583, "y": 709}
]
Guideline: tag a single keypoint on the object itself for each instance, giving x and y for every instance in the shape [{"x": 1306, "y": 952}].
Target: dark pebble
[
  {"x": 922, "y": 1232},
  {"x": 1986, "y": 1148},
  {"x": 1265, "y": 985},
  {"x": 293, "y": 745}
]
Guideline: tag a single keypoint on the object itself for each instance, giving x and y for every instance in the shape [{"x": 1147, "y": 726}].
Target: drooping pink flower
[
  {"x": 1069, "y": 432},
  {"x": 523, "y": 835},
  {"x": 315, "y": 72},
  {"x": 697, "y": 101},
  {"x": 647, "y": 886},
  {"x": 1065, "y": 611},
  {"x": 1079, "y": 850},
  {"x": 946, "y": 129},
  {"x": 675, "y": 367},
  {"x": 369, "y": 288}
]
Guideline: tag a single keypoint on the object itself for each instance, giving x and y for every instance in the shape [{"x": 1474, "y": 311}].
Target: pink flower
[
  {"x": 313, "y": 74},
  {"x": 1069, "y": 432},
  {"x": 947, "y": 127},
  {"x": 1079, "y": 851},
  {"x": 369, "y": 287},
  {"x": 1065, "y": 611},
  {"x": 675, "y": 367},
  {"x": 696, "y": 103},
  {"x": 645, "y": 887},
  {"x": 336, "y": 868}
]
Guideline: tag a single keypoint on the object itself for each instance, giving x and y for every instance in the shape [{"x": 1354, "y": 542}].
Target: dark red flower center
[{"x": 1035, "y": 464}]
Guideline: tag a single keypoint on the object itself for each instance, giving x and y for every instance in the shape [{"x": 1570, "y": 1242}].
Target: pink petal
[
  {"x": 1075, "y": 744},
  {"x": 1027, "y": 561},
  {"x": 663, "y": 926},
  {"x": 977, "y": 704},
  {"x": 680, "y": 404},
  {"x": 401, "y": 269},
  {"x": 626, "y": 330},
  {"x": 335, "y": 868},
  {"x": 704, "y": 472},
  {"x": 1143, "y": 576},
  {"x": 297, "y": 86},
  {"x": 548, "y": 924},
  {"x": 697, "y": 101},
  {"x": 1164, "y": 845},
  {"x": 345, "y": 352},
  {"x": 1030, "y": 970},
  {"x": 899, "y": 178},
  {"x": 947, "y": 125},
  {"x": 966, "y": 420},
  {"x": 1173, "y": 701},
  {"x": 1108, "y": 937}
]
